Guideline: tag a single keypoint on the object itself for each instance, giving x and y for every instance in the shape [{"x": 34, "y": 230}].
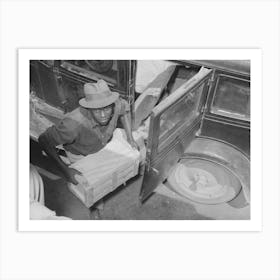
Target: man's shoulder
[
  {"x": 76, "y": 112},
  {"x": 76, "y": 115},
  {"x": 66, "y": 130}
]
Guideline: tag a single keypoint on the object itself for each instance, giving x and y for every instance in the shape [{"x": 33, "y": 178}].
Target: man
[{"x": 88, "y": 128}]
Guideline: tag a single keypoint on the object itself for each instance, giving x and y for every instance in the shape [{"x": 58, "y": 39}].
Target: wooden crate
[{"x": 106, "y": 170}]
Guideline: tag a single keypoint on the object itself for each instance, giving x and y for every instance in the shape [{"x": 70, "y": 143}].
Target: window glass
[
  {"x": 232, "y": 98},
  {"x": 94, "y": 69},
  {"x": 183, "y": 112}
]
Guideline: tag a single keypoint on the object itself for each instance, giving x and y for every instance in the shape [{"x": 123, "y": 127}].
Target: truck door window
[
  {"x": 183, "y": 112},
  {"x": 232, "y": 98}
]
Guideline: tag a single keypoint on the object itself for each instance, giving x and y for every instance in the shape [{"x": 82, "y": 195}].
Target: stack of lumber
[
  {"x": 105, "y": 170},
  {"x": 149, "y": 98},
  {"x": 42, "y": 116},
  {"x": 38, "y": 123}
]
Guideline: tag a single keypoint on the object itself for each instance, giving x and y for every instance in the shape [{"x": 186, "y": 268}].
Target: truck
[{"x": 193, "y": 117}]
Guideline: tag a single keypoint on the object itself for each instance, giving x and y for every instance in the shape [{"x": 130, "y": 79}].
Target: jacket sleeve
[{"x": 65, "y": 132}]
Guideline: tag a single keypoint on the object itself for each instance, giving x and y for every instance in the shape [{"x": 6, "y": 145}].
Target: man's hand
[
  {"x": 134, "y": 145},
  {"x": 72, "y": 175}
]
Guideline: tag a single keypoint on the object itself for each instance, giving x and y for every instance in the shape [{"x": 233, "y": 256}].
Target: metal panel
[
  {"x": 237, "y": 135},
  {"x": 227, "y": 128},
  {"x": 160, "y": 161},
  {"x": 161, "y": 168},
  {"x": 229, "y": 66}
]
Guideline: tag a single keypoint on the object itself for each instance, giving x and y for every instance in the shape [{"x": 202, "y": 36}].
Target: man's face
[{"x": 103, "y": 115}]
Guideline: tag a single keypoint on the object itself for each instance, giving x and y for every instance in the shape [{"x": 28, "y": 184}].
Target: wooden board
[{"x": 149, "y": 98}]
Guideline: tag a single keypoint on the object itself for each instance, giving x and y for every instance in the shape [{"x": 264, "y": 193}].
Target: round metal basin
[{"x": 204, "y": 181}]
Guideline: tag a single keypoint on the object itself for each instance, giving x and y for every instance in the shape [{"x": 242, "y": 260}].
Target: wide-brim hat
[{"x": 98, "y": 95}]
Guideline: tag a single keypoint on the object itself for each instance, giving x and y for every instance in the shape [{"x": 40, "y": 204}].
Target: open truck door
[{"x": 174, "y": 122}]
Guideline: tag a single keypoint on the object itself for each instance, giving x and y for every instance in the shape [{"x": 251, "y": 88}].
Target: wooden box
[{"x": 106, "y": 170}]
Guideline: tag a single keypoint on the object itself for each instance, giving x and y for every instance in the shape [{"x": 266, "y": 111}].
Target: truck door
[{"x": 174, "y": 123}]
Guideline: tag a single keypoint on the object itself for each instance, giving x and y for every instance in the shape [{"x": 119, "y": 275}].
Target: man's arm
[
  {"x": 47, "y": 145},
  {"x": 126, "y": 122}
]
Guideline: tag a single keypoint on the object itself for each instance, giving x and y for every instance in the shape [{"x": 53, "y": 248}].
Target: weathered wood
[
  {"x": 149, "y": 98},
  {"x": 39, "y": 113},
  {"x": 106, "y": 170}
]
